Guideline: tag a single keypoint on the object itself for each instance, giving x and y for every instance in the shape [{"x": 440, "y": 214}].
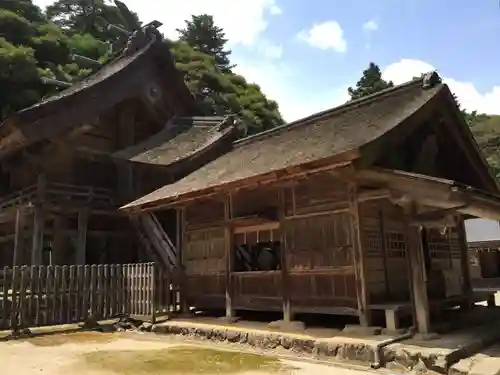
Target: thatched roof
[
  {"x": 180, "y": 139},
  {"x": 84, "y": 101},
  {"x": 338, "y": 131}
]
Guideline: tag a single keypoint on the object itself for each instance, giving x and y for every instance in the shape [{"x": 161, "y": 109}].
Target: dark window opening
[{"x": 257, "y": 250}]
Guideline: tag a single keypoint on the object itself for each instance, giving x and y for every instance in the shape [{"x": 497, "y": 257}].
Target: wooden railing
[
  {"x": 54, "y": 192},
  {"x": 33, "y": 296}
]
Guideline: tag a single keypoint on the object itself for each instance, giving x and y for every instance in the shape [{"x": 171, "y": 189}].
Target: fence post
[
  {"x": 152, "y": 283},
  {"x": 5, "y": 298},
  {"x": 13, "y": 305}
]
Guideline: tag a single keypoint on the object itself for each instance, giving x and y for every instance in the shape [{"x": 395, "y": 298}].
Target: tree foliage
[
  {"x": 370, "y": 82},
  {"x": 203, "y": 35}
]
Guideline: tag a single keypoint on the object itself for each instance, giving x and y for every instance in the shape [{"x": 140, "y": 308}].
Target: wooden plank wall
[
  {"x": 385, "y": 245},
  {"x": 203, "y": 254},
  {"x": 52, "y": 295},
  {"x": 318, "y": 246}
]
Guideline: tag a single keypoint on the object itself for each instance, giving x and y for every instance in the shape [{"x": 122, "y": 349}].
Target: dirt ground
[{"x": 93, "y": 353}]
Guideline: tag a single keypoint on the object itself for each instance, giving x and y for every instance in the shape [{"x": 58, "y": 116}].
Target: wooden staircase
[{"x": 155, "y": 241}]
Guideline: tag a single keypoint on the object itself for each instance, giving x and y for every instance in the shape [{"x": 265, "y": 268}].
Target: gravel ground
[{"x": 95, "y": 353}]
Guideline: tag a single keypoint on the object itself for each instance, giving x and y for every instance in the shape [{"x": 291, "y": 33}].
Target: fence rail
[{"x": 32, "y": 296}]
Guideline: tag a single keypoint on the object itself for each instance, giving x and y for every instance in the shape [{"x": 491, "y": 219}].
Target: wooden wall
[
  {"x": 319, "y": 245},
  {"x": 385, "y": 246},
  {"x": 315, "y": 229}
]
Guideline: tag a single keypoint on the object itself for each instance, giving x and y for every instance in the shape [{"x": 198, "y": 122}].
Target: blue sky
[{"x": 305, "y": 53}]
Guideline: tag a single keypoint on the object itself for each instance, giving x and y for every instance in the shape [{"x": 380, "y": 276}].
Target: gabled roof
[
  {"x": 181, "y": 138},
  {"x": 339, "y": 132},
  {"x": 85, "y": 100}
]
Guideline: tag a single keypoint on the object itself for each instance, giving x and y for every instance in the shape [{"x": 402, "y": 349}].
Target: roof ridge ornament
[
  {"x": 430, "y": 79},
  {"x": 138, "y": 36}
]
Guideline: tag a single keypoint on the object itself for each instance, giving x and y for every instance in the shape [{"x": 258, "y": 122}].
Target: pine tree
[
  {"x": 370, "y": 82},
  {"x": 203, "y": 35}
]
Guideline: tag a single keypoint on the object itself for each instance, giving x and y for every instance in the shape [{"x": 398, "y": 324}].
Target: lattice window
[
  {"x": 439, "y": 243},
  {"x": 396, "y": 244},
  {"x": 373, "y": 244}
]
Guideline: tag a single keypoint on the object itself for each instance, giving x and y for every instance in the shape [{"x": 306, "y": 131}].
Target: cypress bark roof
[
  {"x": 181, "y": 138},
  {"x": 82, "y": 102},
  {"x": 323, "y": 135}
]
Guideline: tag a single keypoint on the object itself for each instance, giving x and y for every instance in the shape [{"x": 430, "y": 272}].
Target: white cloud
[
  {"x": 325, "y": 35},
  {"x": 277, "y": 82},
  {"x": 468, "y": 95},
  {"x": 270, "y": 50},
  {"x": 242, "y": 21},
  {"x": 275, "y": 10},
  {"x": 370, "y": 25}
]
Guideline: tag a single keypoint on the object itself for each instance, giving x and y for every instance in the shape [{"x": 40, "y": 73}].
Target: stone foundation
[{"x": 338, "y": 349}]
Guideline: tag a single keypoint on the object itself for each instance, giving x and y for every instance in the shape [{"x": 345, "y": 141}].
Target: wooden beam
[
  {"x": 228, "y": 243},
  {"x": 375, "y": 194},
  {"x": 18, "y": 238},
  {"x": 418, "y": 277},
  {"x": 285, "y": 277},
  {"x": 81, "y": 245},
  {"x": 358, "y": 258}
]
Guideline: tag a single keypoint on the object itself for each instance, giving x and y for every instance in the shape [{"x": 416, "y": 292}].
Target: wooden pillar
[
  {"x": 464, "y": 265},
  {"x": 358, "y": 258},
  {"x": 59, "y": 249},
  {"x": 464, "y": 257},
  {"x": 418, "y": 276},
  {"x": 181, "y": 246},
  {"x": 285, "y": 279},
  {"x": 228, "y": 243},
  {"x": 38, "y": 229},
  {"x": 18, "y": 238},
  {"x": 81, "y": 243},
  {"x": 38, "y": 222}
]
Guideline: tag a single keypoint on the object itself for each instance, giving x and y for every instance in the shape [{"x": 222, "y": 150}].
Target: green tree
[
  {"x": 370, "y": 82},
  {"x": 202, "y": 34},
  {"x": 31, "y": 48},
  {"x": 219, "y": 93}
]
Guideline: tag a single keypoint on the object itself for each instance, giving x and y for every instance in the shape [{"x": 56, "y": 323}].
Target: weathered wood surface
[
  {"x": 56, "y": 193},
  {"x": 33, "y": 296}
]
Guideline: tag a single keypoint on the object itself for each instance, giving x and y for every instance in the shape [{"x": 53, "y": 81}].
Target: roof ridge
[{"x": 424, "y": 80}]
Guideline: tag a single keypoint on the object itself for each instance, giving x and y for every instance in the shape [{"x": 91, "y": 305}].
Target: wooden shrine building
[
  {"x": 63, "y": 175},
  {"x": 351, "y": 211}
]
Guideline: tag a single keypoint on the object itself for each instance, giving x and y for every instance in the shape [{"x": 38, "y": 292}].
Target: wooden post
[
  {"x": 181, "y": 244},
  {"x": 228, "y": 243},
  {"x": 464, "y": 263},
  {"x": 81, "y": 246},
  {"x": 358, "y": 258},
  {"x": 18, "y": 238},
  {"x": 418, "y": 276},
  {"x": 58, "y": 241},
  {"x": 285, "y": 279},
  {"x": 38, "y": 222}
]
